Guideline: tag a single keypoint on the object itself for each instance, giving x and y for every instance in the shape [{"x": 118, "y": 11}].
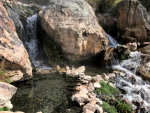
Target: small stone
[
  {"x": 122, "y": 74},
  {"x": 111, "y": 75},
  {"x": 90, "y": 87},
  {"x": 99, "y": 109},
  {"x": 97, "y": 85},
  {"x": 111, "y": 84},
  {"x": 80, "y": 70},
  {"x": 90, "y": 106},
  {"x": 9, "y": 105}
]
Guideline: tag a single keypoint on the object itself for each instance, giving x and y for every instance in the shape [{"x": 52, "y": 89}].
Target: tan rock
[
  {"x": 99, "y": 109},
  {"x": 13, "y": 55},
  {"x": 90, "y": 106},
  {"x": 132, "y": 46},
  {"x": 74, "y": 26},
  {"x": 6, "y": 93},
  {"x": 135, "y": 29},
  {"x": 81, "y": 97},
  {"x": 80, "y": 70},
  {"x": 144, "y": 70}
]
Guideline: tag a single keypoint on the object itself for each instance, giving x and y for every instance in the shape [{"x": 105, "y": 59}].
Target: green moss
[
  {"x": 8, "y": 80},
  {"x": 106, "y": 89},
  {"x": 123, "y": 107},
  {"x": 112, "y": 102},
  {"x": 109, "y": 109},
  {"x": 2, "y": 72},
  {"x": 4, "y": 109}
]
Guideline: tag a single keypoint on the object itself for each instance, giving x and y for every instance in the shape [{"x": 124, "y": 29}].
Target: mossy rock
[{"x": 112, "y": 100}]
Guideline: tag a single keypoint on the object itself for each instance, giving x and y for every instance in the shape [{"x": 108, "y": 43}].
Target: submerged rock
[
  {"x": 13, "y": 55},
  {"x": 74, "y": 27}
]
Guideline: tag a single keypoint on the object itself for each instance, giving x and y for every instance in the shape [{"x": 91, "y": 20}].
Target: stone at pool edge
[{"x": 6, "y": 93}]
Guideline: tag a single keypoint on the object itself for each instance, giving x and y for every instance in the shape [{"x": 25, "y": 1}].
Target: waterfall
[
  {"x": 112, "y": 41},
  {"x": 32, "y": 42},
  {"x": 137, "y": 90}
]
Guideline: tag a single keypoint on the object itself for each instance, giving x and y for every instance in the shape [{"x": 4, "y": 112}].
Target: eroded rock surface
[
  {"x": 133, "y": 21},
  {"x": 13, "y": 55},
  {"x": 73, "y": 25}
]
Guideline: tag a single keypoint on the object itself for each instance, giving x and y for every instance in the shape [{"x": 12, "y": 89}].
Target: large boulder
[
  {"x": 13, "y": 55},
  {"x": 72, "y": 24},
  {"x": 133, "y": 21}
]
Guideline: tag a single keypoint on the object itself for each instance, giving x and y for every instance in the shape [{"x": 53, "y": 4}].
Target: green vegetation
[
  {"x": 1, "y": 72},
  {"x": 112, "y": 102},
  {"x": 108, "y": 108},
  {"x": 8, "y": 80},
  {"x": 4, "y": 109},
  {"x": 123, "y": 107},
  {"x": 106, "y": 89}
]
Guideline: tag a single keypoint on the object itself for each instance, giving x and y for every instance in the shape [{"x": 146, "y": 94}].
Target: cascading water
[
  {"x": 112, "y": 41},
  {"x": 136, "y": 89},
  {"x": 32, "y": 42}
]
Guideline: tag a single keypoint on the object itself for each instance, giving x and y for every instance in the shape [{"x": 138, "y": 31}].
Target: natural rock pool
[{"x": 49, "y": 93}]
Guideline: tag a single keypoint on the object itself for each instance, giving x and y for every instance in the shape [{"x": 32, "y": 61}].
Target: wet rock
[
  {"x": 133, "y": 29},
  {"x": 122, "y": 52},
  {"x": 109, "y": 56},
  {"x": 145, "y": 50},
  {"x": 6, "y": 93},
  {"x": 74, "y": 29},
  {"x": 13, "y": 53},
  {"x": 111, "y": 75},
  {"x": 132, "y": 46},
  {"x": 144, "y": 70}
]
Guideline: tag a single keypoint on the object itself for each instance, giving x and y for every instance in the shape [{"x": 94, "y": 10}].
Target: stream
[{"x": 50, "y": 93}]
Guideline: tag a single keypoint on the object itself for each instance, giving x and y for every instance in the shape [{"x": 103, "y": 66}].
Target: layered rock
[
  {"x": 74, "y": 27},
  {"x": 13, "y": 55},
  {"x": 133, "y": 21}
]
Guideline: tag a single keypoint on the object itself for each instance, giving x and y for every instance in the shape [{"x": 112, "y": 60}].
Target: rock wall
[
  {"x": 13, "y": 55},
  {"x": 133, "y": 21}
]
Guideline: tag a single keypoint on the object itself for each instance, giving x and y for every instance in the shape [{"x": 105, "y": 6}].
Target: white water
[
  {"x": 32, "y": 44},
  {"x": 137, "y": 90},
  {"x": 112, "y": 41}
]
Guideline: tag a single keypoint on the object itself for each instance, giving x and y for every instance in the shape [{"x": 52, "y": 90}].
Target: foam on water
[{"x": 137, "y": 89}]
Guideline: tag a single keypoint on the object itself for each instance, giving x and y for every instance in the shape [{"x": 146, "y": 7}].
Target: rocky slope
[
  {"x": 74, "y": 27},
  {"x": 13, "y": 55}
]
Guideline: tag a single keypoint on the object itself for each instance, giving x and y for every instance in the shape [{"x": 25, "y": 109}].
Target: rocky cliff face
[
  {"x": 13, "y": 55},
  {"x": 73, "y": 25},
  {"x": 133, "y": 21}
]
